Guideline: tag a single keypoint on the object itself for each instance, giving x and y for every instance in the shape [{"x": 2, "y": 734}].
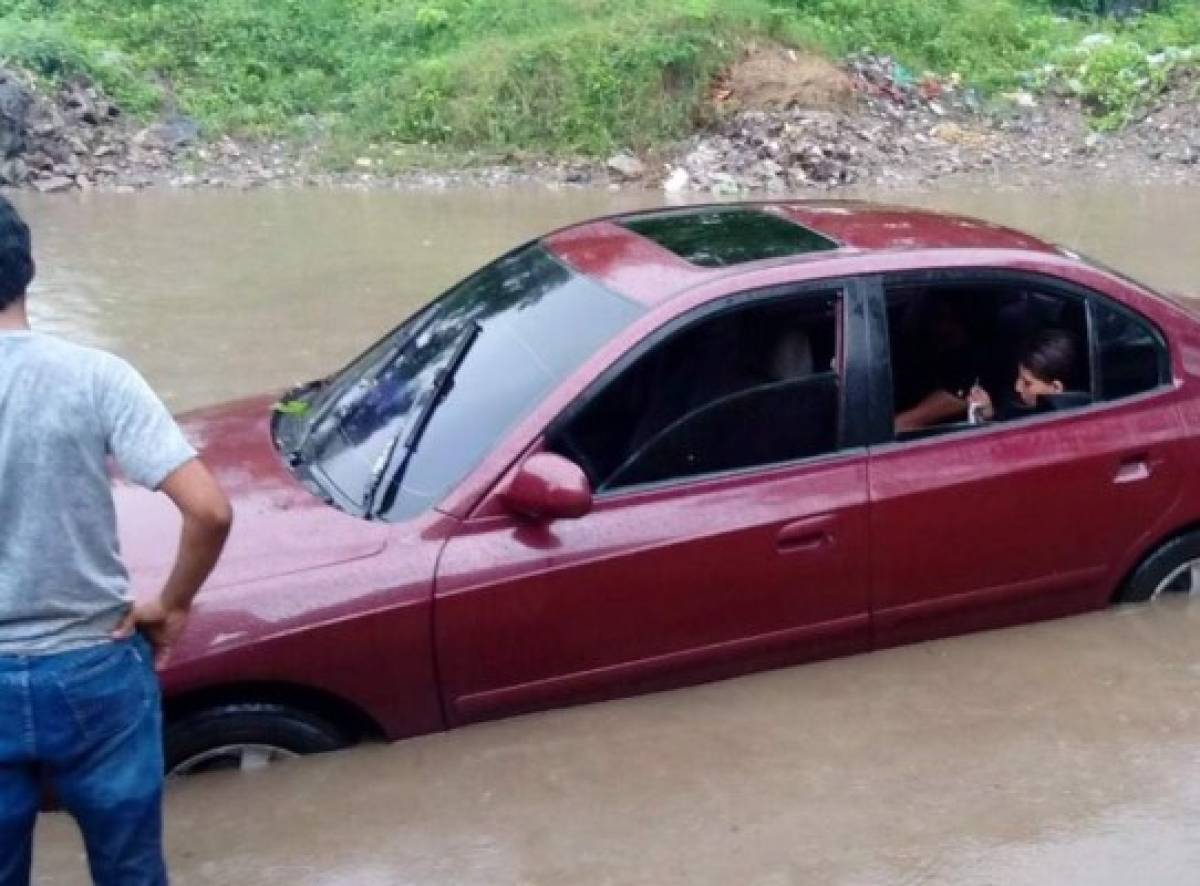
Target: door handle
[
  {"x": 812, "y": 534},
  {"x": 1133, "y": 469}
]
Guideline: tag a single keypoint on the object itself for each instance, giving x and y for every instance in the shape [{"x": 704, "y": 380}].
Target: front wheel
[
  {"x": 245, "y": 737},
  {"x": 1173, "y": 569}
]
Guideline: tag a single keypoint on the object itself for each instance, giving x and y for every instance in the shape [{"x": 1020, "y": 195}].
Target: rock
[
  {"x": 54, "y": 184},
  {"x": 1094, "y": 41},
  {"x": 797, "y": 177},
  {"x": 170, "y": 135},
  {"x": 80, "y": 101},
  {"x": 677, "y": 181},
  {"x": 13, "y": 172},
  {"x": 1021, "y": 99},
  {"x": 15, "y": 102},
  {"x": 626, "y": 166},
  {"x": 766, "y": 170}
]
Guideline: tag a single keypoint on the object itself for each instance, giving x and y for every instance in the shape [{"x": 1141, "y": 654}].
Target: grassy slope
[{"x": 557, "y": 75}]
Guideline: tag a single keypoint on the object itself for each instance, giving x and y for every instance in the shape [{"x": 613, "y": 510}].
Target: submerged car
[{"x": 661, "y": 448}]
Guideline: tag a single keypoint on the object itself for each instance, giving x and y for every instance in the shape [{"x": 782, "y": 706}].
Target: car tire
[
  {"x": 1148, "y": 580},
  {"x": 245, "y": 736}
]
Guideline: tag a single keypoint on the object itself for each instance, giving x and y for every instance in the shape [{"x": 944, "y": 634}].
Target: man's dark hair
[
  {"x": 1050, "y": 355},
  {"x": 16, "y": 256}
]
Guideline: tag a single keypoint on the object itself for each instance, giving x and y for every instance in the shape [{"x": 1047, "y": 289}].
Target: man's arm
[
  {"x": 207, "y": 518},
  {"x": 937, "y": 407}
]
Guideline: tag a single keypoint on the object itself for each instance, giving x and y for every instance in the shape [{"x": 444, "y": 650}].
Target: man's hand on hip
[{"x": 162, "y": 627}]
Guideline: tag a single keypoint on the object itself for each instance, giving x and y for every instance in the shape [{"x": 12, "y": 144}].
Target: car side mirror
[{"x": 548, "y": 487}]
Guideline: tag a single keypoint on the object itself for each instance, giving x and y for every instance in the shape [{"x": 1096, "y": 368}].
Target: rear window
[{"x": 718, "y": 238}]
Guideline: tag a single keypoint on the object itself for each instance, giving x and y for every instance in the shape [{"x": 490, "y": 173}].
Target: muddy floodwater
[
  {"x": 1060, "y": 753},
  {"x": 221, "y": 294}
]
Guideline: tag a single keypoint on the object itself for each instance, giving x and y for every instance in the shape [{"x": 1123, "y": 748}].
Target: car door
[
  {"x": 728, "y": 530},
  {"x": 1010, "y": 521}
]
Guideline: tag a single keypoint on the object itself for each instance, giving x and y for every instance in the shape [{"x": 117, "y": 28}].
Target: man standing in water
[{"x": 79, "y": 700}]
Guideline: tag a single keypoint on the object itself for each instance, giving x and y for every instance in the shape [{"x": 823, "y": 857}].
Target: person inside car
[
  {"x": 1046, "y": 367},
  {"x": 946, "y": 366}
]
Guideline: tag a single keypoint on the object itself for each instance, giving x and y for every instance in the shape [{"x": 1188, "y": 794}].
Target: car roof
[{"x": 637, "y": 266}]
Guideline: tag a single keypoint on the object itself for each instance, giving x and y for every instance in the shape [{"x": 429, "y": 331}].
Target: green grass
[{"x": 567, "y": 76}]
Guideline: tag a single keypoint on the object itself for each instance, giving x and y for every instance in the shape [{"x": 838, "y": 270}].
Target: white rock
[
  {"x": 626, "y": 165},
  {"x": 677, "y": 181},
  {"x": 54, "y": 184},
  {"x": 1092, "y": 41}
]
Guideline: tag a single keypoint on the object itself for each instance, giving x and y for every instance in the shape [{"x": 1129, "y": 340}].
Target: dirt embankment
[
  {"x": 788, "y": 121},
  {"x": 781, "y": 121}
]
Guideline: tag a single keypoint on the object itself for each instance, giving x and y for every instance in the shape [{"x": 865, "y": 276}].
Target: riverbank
[
  {"x": 729, "y": 97},
  {"x": 782, "y": 122}
]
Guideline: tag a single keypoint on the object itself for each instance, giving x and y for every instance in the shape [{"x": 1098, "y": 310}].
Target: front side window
[
  {"x": 392, "y": 433},
  {"x": 751, "y": 386}
]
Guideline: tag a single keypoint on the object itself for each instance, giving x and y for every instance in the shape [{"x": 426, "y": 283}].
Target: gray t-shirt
[{"x": 64, "y": 409}]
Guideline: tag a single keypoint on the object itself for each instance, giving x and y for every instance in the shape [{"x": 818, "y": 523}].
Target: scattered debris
[
  {"x": 908, "y": 128},
  {"x": 677, "y": 181}
]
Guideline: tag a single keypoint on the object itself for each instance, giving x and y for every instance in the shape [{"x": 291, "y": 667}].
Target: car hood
[{"x": 279, "y": 527}]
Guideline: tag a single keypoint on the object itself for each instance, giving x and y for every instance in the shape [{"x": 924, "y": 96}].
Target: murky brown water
[
  {"x": 215, "y": 295},
  {"x": 1066, "y": 752},
  {"x": 1061, "y": 753}
]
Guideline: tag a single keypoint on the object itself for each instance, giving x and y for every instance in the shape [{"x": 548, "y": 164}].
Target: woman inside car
[{"x": 1046, "y": 367}]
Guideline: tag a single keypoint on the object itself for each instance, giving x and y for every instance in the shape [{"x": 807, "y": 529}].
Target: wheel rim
[
  {"x": 245, "y": 757},
  {"x": 1184, "y": 579}
]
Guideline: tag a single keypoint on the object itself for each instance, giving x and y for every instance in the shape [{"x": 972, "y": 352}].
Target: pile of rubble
[
  {"x": 901, "y": 127},
  {"x": 75, "y": 138},
  {"x": 904, "y": 130},
  {"x": 1169, "y": 131}
]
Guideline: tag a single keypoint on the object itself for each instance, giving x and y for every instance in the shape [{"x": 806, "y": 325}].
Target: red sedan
[{"x": 672, "y": 446}]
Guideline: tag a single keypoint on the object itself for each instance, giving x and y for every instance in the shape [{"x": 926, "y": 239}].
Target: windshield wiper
[
  {"x": 342, "y": 413},
  {"x": 411, "y": 437}
]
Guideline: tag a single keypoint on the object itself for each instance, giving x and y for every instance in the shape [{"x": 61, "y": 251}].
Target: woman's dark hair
[
  {"x": 16, "y": 258},
  {"x": 1050, "y": 355}
]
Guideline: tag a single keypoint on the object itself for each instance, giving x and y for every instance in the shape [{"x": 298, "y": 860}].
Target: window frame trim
[{"x": 851, "y": 330}]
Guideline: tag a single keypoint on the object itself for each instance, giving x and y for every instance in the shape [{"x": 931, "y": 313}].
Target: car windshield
[{"x": 533, "y": 320}]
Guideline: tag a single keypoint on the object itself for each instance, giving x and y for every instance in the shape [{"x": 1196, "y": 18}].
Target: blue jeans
[{"x": 90, "y": 723}]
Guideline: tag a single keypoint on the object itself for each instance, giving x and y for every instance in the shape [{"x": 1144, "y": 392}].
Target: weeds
[{"x": 550, "y": 75}]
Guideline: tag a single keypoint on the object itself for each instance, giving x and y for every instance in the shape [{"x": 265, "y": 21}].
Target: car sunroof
[{"x": 717, "y": 238}]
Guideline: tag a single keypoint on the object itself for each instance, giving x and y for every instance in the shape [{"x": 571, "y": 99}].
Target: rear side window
[
  {"x": 752, "y": 386},
  {"x": 1130, "y": 355}
]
